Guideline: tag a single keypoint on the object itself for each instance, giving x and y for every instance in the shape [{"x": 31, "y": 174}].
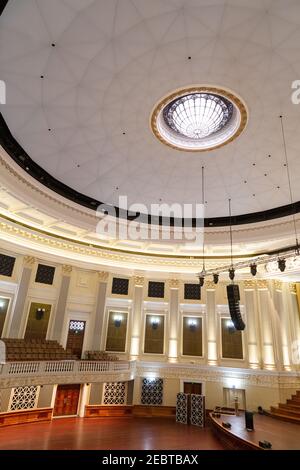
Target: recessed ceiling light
[{"x": 200, "y": 118}]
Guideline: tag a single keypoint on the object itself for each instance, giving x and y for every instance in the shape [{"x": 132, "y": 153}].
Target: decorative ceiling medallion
[{"x": 199, "y": 118}]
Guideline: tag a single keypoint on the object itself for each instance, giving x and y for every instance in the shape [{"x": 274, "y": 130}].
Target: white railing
[
  {"x": 32, "y": 368},
  {"x": 19, "y": 368},
  {"x": 58, "y": 367}
]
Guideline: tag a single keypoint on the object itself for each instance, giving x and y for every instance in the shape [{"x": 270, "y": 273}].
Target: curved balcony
[{"x": 14, "y": 374}]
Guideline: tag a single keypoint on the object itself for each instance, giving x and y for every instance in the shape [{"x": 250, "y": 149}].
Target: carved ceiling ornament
[
  {"x": 29, "y": 261},
  {"x": 293, "y": 288},
  {"x": 174, "y": 283},
  {"x": 139, "y": 281},
  {"x": 249, "y": 284},
  {"x": 262, "y": 284},
  {"x": 103, "y": 276},
  {"x": 66, "y": 269}
]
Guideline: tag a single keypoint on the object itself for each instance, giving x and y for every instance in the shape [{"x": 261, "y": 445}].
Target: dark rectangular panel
[
  {"x": 38, "y": 319},
  {"x": 120, "y": 286},
  {"x": 192, "y": 291},
  {"x": 7, "y": 264},
  {"x": 45, "y": 274},
  {"x": 154, "y": 334},
  {"x": 4, "y": 303},
  {"x": 156, "y": 289},
  {"x": 232, "y": 345},
  {"x": 116, "y": 332},
  {"x": 192, "y": 336}
]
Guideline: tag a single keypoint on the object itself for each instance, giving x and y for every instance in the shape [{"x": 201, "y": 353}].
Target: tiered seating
[
  {"x": 99, "y": 356},
  {"x": 35, "y": 350},
  {"x": 289, "y": 411}
]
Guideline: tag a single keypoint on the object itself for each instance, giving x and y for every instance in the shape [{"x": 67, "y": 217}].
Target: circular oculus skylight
[{"x": 199, "y": 119}]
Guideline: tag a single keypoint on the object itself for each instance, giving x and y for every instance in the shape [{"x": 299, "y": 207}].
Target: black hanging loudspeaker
[{"x": 233, "y": 296}]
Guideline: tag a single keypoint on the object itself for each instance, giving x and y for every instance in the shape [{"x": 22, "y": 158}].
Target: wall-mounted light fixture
[
  {"x": 40, "y": 313},
  {"x": 192, "y": 323},
  {"x": 230, "y": 326},
  {"x": 118, "y": 320},
  {"x": 155, "y": 321}
]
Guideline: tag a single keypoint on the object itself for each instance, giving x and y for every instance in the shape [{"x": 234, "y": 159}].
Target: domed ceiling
[{"x": 83, "y": 77}]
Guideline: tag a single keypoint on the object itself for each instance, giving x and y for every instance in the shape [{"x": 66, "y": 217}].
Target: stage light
[
  {"x": 231, "y": 273},
  {"x": 216, "y": 278},
  {"x": 253, "y": 269},
  {"x": 281, "y": 264}
]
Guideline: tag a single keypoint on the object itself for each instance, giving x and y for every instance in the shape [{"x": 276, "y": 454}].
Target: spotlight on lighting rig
[
  {"x": 253, "y": 269},
  {"x": 231, "y": 273},
  {"x": 281, "y": 264}
]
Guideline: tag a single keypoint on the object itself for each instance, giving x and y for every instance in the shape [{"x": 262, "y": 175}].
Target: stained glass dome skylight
[
  {"x": 199, "y": 119},
  {"x": 198, "y": 115}
]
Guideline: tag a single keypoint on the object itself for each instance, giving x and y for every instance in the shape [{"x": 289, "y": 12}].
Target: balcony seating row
[{"x": 18, "y": 350}]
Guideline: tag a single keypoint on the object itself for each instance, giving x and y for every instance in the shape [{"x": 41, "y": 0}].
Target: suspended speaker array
[{"x": 233, "y": 296}]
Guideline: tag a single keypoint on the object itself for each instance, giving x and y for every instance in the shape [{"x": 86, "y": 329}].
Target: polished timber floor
[{"x": 107, "y": 433}]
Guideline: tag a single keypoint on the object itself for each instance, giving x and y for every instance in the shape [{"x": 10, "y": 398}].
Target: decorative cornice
[
  {"x": 44, "y": 195},
  {"x": 216, "y": 374}
]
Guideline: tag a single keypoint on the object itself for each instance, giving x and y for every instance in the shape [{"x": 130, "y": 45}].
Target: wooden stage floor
[
  {"x": 281, "y": 434},
  {"x": 107, "y": 433}
]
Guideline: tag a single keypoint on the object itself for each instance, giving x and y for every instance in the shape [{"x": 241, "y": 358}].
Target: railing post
[{"x": 42, "y": 368}]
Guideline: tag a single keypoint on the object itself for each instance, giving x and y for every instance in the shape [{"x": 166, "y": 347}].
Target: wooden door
[
  {"x": 66, "y": 400},
  {"x": 76, "y": 337},
  {"x": 192, "y": 388}
]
